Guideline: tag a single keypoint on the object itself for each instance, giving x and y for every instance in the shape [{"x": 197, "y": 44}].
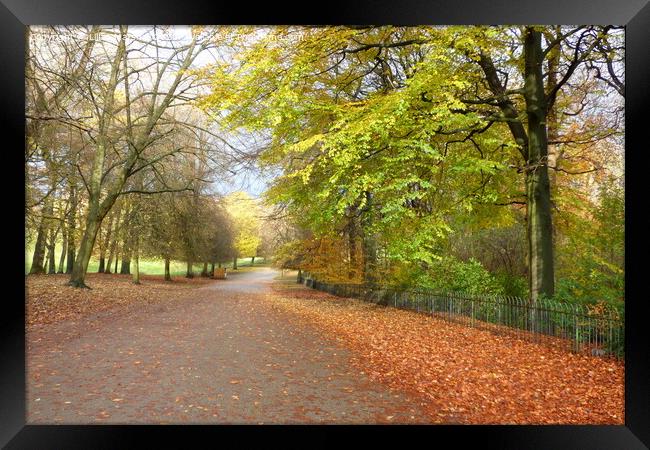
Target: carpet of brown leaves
[
  {"x": 462, "y": 374},
  {"x": 50, "y": 300},
  {"x": 466, "y": 375}
]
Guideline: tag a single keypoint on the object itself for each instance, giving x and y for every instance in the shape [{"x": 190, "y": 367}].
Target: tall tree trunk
[
  {"x": 117, "y": 254},
  {"x": 100, "y": 243},
  {"x": 234, "y": 263},
  {"x": 168, "y": 276},
  {"x": 49, "y": 260},
  {"x": 38, "y": 259},
  {"x": 252, "y": 260},
  {"x": 104, "y": 245},
  {"x": 94, "y": 216},
  {"x": 352, "y": 241},
  {"x": 80, "y": 267},
  {"x": 211, "y": 269},
  {"x": 64, "y": 248},
  {"x": 72, "y": 218},
  {"x": 204, "y": 272},
  {"x": 538, "y": 214},
  {"x": 125, "y": 268},
  {"x": 113, "y": 244},
  {"x": 109, "y": 261},
  {"x": 189, "y": 273},
  {"x": 369, "y": 258},
  {"x": 127, "y": 244},
  {"x": 98, "y": 208},
  {"x": 554, "y": 150},
  {"x": 51, "y": 248},
  {"x": 369, "y": 243},
  {"x": 43, "y": 105},
  {"x": 136, "y": 267}
]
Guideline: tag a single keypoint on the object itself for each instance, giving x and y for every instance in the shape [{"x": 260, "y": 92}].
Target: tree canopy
[
  {"x": 398, "y": 138},
  {"x": 481, "y": 158}
]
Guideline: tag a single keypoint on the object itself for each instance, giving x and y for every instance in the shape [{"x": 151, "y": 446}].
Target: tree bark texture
[
  {"x": 538, "y": 213},
  {"x": 38, "y": 258},
  {"x": 168, "y": 276},
  {"x": 72, "y": 218},
  {"x": 64, "y": 248},
  {"x": 369, "y": 243}
]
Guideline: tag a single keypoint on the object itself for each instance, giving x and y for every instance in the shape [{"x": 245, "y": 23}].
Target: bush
[
  {"x": 593, "y": 293},
  {"x": 449, "y": 274},
  {"x": 598, "y": 299},
  {"x": 512, "y": 285}
]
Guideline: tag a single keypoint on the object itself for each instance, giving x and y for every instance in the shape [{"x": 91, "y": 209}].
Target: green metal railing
[{"x": 576, "y": 327}]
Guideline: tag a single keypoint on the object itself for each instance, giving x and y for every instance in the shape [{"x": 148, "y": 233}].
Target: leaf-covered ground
[
  {"x": 465, "y": 374},
  {"x": 50, "y": 300},
  {"x": 218, "y": 352},
  {"x": 236, "y": 351}
]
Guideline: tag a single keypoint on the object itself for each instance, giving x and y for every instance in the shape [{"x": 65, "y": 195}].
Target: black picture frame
[{"x": 635, "y": 14}]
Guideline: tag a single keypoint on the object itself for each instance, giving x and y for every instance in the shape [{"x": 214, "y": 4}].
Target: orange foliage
[{"x": 329, "y": 259}]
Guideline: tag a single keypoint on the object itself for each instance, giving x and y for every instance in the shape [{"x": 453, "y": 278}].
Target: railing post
[{"x": 472, "y": 311}]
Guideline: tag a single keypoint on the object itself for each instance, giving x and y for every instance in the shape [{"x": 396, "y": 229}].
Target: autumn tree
[
  {"x": 390, "y": 132},
  {"x": 55, "y": 61},
  {"x": 129, "y": 117},
  {"x": 544, "y": 67},
  {"x": 245, "y": 215}
]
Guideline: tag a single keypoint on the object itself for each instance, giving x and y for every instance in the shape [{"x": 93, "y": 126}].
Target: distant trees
[
  {"x": 221, "y": 234},
  {"x": 117, "y": 155},
  {"x": 246, "y": 215}
]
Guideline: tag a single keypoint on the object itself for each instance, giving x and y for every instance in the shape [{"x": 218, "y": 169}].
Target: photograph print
[{"x": 325, "y": 224}]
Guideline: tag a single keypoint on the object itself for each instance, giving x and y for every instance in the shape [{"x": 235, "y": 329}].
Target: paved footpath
[{"x": 222, "y": 355}]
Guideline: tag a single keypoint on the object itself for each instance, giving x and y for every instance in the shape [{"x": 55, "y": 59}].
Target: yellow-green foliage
[
  {"x": 399, "y": 115},
  {"x": 245, "y": 213}
]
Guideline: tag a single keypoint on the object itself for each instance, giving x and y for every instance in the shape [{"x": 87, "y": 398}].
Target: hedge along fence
[{"x": 598, "y": 331}]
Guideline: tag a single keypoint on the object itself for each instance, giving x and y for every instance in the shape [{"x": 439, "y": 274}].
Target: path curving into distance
[{"x": 223, "y": 354}]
